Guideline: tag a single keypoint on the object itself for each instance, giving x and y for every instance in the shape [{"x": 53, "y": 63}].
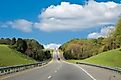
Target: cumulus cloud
[
  {"x": 20, "y": 24},
  {"x": 68, "y": 16},
  {"x": 71, "y": 17},
  {"x": 52, "y": 46},
  {"x": 104, "y": 32}
]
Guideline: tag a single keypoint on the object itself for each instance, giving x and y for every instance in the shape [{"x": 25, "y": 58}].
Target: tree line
[
  {"x": 29, "y": 47},
  {"x": 85, "y": 48}
]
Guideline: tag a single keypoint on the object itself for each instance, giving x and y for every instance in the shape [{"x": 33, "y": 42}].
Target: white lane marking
[
  {"x": 82, "y": 70},
  {"x": 87, "y": 73},
  {"x": 49, "y": 77},
  {"x": 55, "y": 71}
]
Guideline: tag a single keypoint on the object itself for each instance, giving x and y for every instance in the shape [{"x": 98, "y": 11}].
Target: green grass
[
  {"x": 110, "y": 58},
  {"x": 73, "y": 61},
  {"x": 9, "y": 57},
  {"x": 61, "y": 52}
]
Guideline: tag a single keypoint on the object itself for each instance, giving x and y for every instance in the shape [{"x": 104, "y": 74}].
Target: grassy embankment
[
  {"x": 110, "y": 58},
  {"x": 9, "y": 57}
]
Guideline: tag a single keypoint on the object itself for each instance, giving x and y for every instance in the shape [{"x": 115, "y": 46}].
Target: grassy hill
[
  {"x": 109, "y": 58},
  {"x": 10, "y": 57}
]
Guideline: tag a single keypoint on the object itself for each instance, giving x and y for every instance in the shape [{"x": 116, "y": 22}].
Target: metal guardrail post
[{"x": 12, "y": 69}]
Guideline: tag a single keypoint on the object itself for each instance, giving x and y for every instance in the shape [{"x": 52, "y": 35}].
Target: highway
[{"x": 55, "y": 70}]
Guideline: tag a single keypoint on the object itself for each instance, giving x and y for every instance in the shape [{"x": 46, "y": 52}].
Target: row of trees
[
  {"x": 29, "y": 47},
  {"x": 6, "y": 41},
  {"x": 81, "y": 49}
]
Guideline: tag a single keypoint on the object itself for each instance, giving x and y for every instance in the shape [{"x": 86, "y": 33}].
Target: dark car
[{"x": 58, "y": 58}]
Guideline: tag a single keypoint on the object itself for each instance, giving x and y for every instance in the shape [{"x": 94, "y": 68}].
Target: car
[{"x": 58, "y": 58}]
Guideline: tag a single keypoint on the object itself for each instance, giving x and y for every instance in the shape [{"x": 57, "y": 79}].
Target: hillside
[
  {"x": 10, "y": 57},
  {"x": 109, "y": 58},
  {"x": 81, "y": 48},
  {"x": 30, "y": 47}
]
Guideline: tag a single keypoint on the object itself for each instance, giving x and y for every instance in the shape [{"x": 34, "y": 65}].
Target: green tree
[
  {"x": 13, "y": 41},
  {"x": 117, "y": 33},
  {"x": 21, "y": 45}
]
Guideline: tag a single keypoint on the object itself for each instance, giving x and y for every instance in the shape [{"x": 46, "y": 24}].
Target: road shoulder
[
  {"x": 92, "y": 77},
  {"x": 100, "y": 73}
]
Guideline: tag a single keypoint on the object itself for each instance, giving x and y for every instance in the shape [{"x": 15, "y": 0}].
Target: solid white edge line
[
  {"x": 87, "y": 73},
  {"x": 82, "y": 70}
]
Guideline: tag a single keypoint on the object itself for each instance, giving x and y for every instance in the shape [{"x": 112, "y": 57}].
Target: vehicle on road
[{"x": 58, "y": 58}]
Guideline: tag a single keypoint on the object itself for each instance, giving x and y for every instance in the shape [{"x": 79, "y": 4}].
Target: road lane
[
  {"x": 57, "y": 70},
  {"x": 101, "y": 74},
  {"x": 70, "y": 72}
]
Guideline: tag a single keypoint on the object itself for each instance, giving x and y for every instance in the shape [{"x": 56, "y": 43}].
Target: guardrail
[
  {"x": 117, "y": 69},
  {"x": 17, "y": 68}
]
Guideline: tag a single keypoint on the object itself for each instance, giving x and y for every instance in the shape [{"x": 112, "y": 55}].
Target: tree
[
  {"x": 6, "y": 41},
  {"x": 29, "y": 47},
  {"x": 47, "y": 54},
  {"x": 13, "y": 41},
  {"x": 117, "y": 33},
  {"x": 21, "y": 45}
]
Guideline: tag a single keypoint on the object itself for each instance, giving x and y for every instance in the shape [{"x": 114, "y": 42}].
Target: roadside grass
[
  {"x": 9, "y": 57},
  {"x": 51, "y": 51},
  {"x": 110, "y": 58},
  {"x": 61, "y": 52},
  {"x": 73, "y": 61}
]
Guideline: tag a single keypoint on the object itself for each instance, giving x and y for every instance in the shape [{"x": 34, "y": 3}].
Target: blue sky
[{"x": 12, "y": 10}]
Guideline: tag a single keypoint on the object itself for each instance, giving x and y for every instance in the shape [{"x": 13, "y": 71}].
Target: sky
[{"x": 58, "y": 21}]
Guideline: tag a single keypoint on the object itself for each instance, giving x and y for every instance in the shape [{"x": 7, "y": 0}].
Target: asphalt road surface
[{"x": 56, "y": 70}]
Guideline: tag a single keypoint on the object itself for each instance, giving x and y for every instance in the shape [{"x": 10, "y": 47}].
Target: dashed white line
[
  {"x": 55, "y": 71},
  {"x": 49, "y": 77}
]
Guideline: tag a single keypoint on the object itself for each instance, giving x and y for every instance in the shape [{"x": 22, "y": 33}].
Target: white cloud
[
  {"x": 20, "y": 24},
  {"x": 71, "y": 17},
  {"x": 105, "y": 32},
  {"x": 52, "y": 46},
  {"x": 68, "y": 16},
  {"x": 94, "y": 35}
]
